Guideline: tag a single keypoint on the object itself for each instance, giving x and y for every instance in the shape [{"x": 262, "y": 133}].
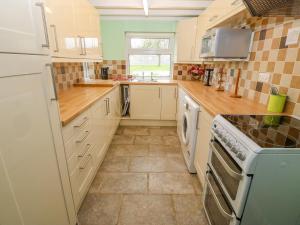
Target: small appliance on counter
[
  {"x": 208, "y": 77},
  {"x": 104, "y": 73}
]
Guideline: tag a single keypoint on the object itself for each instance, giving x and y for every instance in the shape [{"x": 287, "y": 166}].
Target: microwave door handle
[
  {"x": 225, "y": 165},
  {"x": 224, "y": 213}
]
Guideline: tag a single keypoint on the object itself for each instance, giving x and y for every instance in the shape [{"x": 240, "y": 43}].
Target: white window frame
[{"x": 139, "y": 51}]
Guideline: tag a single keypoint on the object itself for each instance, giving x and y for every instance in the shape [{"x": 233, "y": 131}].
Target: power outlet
[{"x": 264, "y": 77}]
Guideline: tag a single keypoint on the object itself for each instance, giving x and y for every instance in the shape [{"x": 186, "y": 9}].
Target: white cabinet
[
  {"x": 202, "y": 146},
  {"x": 74, "y": 30},
  {"x": 145, "y": 102},
  {"x": 32, "y": 166},
  {"x": 23, "y": 27},
  {"x": 185, "y": 40},
  {"x": 153, "y": 102},
  {"x": 87, "y": 139},
  {"x": 168, "y": 103},
  {"x": 61, "y": 28}
]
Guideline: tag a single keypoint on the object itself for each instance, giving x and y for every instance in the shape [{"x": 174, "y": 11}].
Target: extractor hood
[{"x": 273, "y": 7}]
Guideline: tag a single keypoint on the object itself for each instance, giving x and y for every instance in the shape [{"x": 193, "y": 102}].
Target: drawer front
[
  {"x": 76, "y": 143},
  {"x": 77, "y": 125},
  {"x": 81, "y": 178}
]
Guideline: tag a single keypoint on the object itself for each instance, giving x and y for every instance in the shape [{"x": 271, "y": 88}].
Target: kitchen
[{"x": 150, "y": 112}]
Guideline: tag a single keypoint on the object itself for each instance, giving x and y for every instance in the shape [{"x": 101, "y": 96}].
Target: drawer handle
[
  {"x": 235, "y": 2},
  {"x": 85, "y": 151},
  {"x": 42, "y": 7},
  {"x": 85, "y": 119},
  {"x": 84, "y": 137},
  {"x": 82, "y": 167},
  {"x": 224, "y": 213}
]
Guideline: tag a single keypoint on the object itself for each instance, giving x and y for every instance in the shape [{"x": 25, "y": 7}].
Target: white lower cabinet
[
  {"x": 87, "y": 139},
  {"x": 153, "y": 102},
  {"x": 202, "y": 146}
]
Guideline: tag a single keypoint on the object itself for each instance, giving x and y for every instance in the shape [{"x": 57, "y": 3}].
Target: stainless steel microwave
[{"x": 224, "y": 42}]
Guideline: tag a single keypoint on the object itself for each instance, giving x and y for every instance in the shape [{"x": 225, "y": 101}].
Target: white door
[
  {"x": 145, "y": 102},
  {"x": 168, "y": 102},
  {"x": 31, "y": 186},
  {"x": 23, "y": 27}
]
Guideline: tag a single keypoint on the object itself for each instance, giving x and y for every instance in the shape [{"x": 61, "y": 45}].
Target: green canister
[{"x": 276, "y": 103}]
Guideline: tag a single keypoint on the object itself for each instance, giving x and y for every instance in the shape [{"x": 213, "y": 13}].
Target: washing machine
[{"x": 187, "y": 129}]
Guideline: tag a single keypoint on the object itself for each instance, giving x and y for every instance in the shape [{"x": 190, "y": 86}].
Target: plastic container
[{"x": 276, "y": 103}]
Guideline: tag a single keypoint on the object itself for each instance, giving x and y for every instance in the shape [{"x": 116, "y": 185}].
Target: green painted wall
[{"x": 113, "y": 34}]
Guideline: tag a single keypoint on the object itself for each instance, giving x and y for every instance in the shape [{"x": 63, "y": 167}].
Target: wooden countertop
[
  {"x": 220, "y": 102},
  {"x": 75, "y": 100},
  {"x": 110, "y": 83}
]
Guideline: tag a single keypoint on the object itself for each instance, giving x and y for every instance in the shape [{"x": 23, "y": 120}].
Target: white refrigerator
[{"x": 34, "y": 181}]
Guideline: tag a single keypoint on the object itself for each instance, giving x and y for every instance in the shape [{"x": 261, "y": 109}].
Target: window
[{"x": 150, "y": 56}]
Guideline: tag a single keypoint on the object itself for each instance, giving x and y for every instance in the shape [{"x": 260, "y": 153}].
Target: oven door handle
[
  {"x": 231, "y": 172},
  {"x": 224, "y": 213}
]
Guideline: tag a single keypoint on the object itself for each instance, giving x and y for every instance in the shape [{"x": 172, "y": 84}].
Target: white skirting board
[{"x": 159, "y": 123}]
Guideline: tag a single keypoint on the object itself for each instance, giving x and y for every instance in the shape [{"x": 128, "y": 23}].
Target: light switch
[{"x": 293, "y": 36}]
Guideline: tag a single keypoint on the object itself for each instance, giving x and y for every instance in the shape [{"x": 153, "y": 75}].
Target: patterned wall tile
[
  {"x": 116, "y": 68},
  {"x": 269, "y": 54},
  {"x": 66, "y": 74}
]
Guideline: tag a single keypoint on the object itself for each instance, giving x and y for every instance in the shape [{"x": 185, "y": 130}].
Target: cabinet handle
[
  {"x": 106, "y": 108},
  {"x": 82, "y": 167},
  {"x": 81, "y": 47},
  {"x": 235, "y": 2},
  {"x": 108, "y": 105},
  {"x": 159, "y": 92},
  {"x": 53, "y": 82},
  {"x": 85, "y": 151},
  {"x": 197, "y": 121},
  {"x": 84, "y": 137},
  {"x": 84, "y": 46},
  {"x": 85, "y": 119},
  {"x": 213, "y": 18},
  {"x": 55, "y": 37},
  {"x": 42, "y": 7}
]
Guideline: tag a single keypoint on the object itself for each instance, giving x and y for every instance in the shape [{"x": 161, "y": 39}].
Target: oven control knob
[
  {"x": 234, "y": 149},
  {"x": 241, "y": 156}
]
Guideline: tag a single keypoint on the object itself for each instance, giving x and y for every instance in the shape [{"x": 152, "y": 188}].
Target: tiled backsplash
[
  {"x": 269, "y": 54},
  {"x": 116, "y": 67},
  {"x": 66, "y": 74}
]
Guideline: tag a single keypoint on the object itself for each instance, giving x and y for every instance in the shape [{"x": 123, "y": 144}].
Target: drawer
[
  {"x": 82, "y": 177},
  {"x": 77, "y": 143},
  {"x": 77, "y": 125}
]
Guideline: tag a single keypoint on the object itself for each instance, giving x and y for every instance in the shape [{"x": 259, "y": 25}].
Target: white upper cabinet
[
  {"x": 74, "y": 30},
  {"x": 23, "y": 27},
  {"x": 61, "y": 28},
  {"x": 185, "y": 39}
]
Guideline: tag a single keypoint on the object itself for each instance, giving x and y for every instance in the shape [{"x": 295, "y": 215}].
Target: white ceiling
[{"x": 158, "y": 9}]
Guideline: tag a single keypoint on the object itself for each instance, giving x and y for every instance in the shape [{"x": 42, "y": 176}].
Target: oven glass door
[
  {"x": 228, "y": 172},
  {"x": 216, "y": 206}
]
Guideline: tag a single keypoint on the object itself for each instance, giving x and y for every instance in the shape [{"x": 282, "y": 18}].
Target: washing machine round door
[{"x": 185, "y": 128}]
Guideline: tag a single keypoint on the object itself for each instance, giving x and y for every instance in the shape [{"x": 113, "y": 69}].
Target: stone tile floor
[{"x": 143, "y": 180}]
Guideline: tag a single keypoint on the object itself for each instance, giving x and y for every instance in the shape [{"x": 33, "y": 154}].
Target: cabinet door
[
  {"x": 202, "y": 146},
  {"x": 145, "y": 102},
  {"x": 61, "y": 29},
  {"x": 185, "y": 37},
  {"x": 168, "y": 102},
  {"x": 31, "y": 190},
  {"x": 23, "y": 27},
  {"x": 91, "y": 34}
]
